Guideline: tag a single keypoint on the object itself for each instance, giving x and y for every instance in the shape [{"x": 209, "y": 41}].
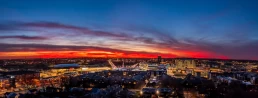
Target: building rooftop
[{"x": 66, "y": 65}]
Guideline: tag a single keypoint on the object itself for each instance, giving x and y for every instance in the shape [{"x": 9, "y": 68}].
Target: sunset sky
[{"x": 225, "y": 29}]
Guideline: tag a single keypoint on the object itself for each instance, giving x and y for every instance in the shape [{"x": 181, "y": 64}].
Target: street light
[{"x": 157, "y": 92}]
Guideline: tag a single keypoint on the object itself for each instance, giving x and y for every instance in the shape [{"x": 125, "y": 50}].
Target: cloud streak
[
  {"x": 24, "y": 37},
  {"x": 83, "y": 30}
]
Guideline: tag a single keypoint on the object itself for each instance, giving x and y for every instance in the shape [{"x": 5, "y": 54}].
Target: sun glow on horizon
[{"x": 101, "y": 53}]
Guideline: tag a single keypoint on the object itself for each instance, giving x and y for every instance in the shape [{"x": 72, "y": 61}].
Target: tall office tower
[
  {"x": 12, "y": 81},
  {"x": 159, "y": 59}
]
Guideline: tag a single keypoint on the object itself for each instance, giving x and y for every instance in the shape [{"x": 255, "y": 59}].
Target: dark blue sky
[{"x": 205, "y": 28}]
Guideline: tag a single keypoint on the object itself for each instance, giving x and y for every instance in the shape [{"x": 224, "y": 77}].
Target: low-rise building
[
  {"x": 21, "y": 77},
  {"x": 4, "y": 82}
]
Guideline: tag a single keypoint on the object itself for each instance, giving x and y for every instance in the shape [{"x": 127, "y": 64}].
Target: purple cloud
[
  {"x": 24, "y": 37},
  {"x": 83, "y": 30}
]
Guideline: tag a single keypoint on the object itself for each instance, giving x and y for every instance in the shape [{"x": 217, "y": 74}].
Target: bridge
[{"x": 113, "y": 66}]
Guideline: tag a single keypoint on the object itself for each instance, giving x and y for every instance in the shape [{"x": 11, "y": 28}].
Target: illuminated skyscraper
[{"x": 185, "y": 63}]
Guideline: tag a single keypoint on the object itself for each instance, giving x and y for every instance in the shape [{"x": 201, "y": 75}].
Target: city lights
[{"x": 128, "y": 48}]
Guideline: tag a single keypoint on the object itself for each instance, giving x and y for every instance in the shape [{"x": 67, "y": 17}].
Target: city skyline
[{"x": 129, "y": 29}]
